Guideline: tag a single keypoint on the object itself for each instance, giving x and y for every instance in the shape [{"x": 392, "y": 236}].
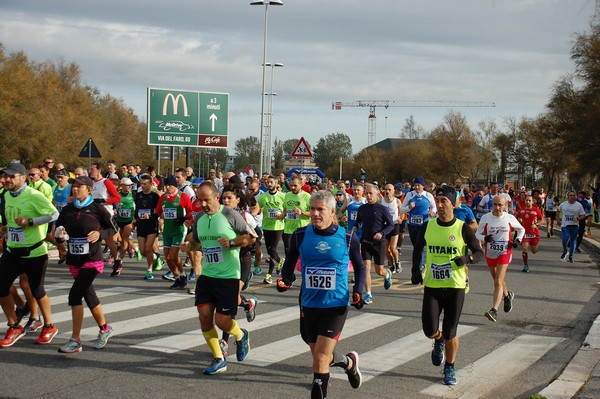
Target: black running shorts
[
  {"x": 220, "y": 292},
  {"x": 327, "y": 322}
]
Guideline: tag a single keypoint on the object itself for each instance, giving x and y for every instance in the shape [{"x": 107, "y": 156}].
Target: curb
[{"x": 585, "y": 363}]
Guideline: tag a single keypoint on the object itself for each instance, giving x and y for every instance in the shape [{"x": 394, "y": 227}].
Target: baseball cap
[
  {"x": 62, "y": 172},
  {"x": 85, "y": 180},
  {"x": 126, "y": 181},
  {"x": 197, "y": 181},
  {"x": 15, "y": 168}
]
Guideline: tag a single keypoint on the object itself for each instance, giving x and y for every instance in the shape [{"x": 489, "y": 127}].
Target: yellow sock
[
  {"x": 212, "y": 339},
  {"x": 236, "y": 331}
]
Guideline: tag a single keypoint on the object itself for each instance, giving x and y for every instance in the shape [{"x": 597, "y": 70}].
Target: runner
[
  {"x": 272, "y": 204},
  {"x": 175, "y": 207},
  {"x": 587, "y": 207},
  {"x": 324, "y": 295},
  {"x": 220, "y": 232},
  {"x": 445, "y": 277},
  {"x": 125, "y": 214},
  {"x": 146, "y": 223},
  {"x": 530, "y": 217},
  {"x": 296, "y": 209},
  {"x": 26, "y": 213},
  {"x": 376, "y": 224},
  {"x": 550, "y": 205},
  {"x": 393, "y": 205},
  {"x": 496, "y": 230},
  {"x": 571, "y": 213},
  {"x": 79, "y": 224}
]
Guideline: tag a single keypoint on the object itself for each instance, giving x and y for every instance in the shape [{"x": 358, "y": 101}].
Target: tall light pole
[
  {"x": 268, "y": 135},
  {"x": 265, "y": 3}
]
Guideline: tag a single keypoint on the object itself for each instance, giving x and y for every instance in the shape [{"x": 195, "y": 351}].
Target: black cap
[
  {"x": 15, "y": 168},
  {"x": 84, "y": 180},
  {"x": 448, "y": 192}
]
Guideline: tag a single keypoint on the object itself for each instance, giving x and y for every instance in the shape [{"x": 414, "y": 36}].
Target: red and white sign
[{"x": 301, "y": 149}]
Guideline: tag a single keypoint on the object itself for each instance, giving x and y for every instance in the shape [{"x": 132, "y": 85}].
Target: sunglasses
[{"x": 33, "y": 174}]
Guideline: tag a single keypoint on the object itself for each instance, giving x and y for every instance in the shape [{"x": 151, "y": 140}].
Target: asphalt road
[{"x": 158, "y": 351}]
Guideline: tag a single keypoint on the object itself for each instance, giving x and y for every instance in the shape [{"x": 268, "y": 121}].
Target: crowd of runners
[{"x": 215, "y": 234}]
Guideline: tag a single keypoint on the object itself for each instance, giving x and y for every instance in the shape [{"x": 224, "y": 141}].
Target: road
[{"x": 158, "y": 351}]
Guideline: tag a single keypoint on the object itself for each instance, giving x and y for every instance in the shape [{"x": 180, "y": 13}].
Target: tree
[
  {"x": 331, "y": 148},
  {"x": 411, "y": 130},
  {"x": 278, "y": 156},
  {"x": 247, "y": 153}
]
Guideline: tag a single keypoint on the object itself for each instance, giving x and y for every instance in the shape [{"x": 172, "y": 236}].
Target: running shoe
[
  {"x": 387, "y": 281},
  {"x": 508, "y": 301},
  {"x": 62, "y": 257},
  {"x": 130, "y": 252},
  {"x": 157, "y": 264},
  {"x": 438, "y": 353},
  {"x": 251, "y": 311},
  {"x": 149, "y": 275},
  {"x": 398, "y": 267},
  {"x": 268, "y": 279},
  {"x": 368, "y": 298},
  {"x": 47, "y": 335},
  {"x": 467, "y": 286},
  {"x": 257, "y": 270},
  {"x": 13, "y": 334},
  {"x": 217, "y": 366},
  {"x": 117, "y": 268},
  {"x": 138, "y": 255},
  {"x": 491, "y": 314},
  {"x": 571, "y": 259},
  {"x": 224, "y": 345},
  {"x": 525, "y": 269},
  {"x": 180, "y": 283},
  {"x": 169, "y": 276},
  {"x": 280, "y": 265},
  {"x": 22, "y": 311},
  {"x": 548, "y": 235},
  {"x": 103, "y": 337},
  {"x": 109, "y": 261},
  {"x": 551, "y": 232},
  {"x": 33, "y": 324},
  {"x": 192, "y": 276},
  {"x": 449, "y": 375},
  {"x": 187, "y": 262},
  {"x": 106, "y": 249},
  {"x": 563, "y": 257},
  {"x": 353, "y": 373},
  {"x": 192, "y": 290},
  {"x": 578, "y": 250},
  {"x": 72, "y": 346},
  {"x": 243, "y": 346}
]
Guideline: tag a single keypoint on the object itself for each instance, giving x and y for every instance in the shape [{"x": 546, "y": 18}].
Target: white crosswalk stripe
[
  {"x": 394, "y": 354},
  {"x": 496, "y": 368}
]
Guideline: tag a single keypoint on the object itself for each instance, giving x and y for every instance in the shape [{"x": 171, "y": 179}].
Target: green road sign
[{"x": 187, "y": 118}]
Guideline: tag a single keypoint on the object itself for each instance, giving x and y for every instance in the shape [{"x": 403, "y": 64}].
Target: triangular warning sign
[
  {"x": 301, "y": 149},
  {"x": 90, "y": 150}
]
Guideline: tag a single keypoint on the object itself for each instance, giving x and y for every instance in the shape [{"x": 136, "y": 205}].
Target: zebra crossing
[{"x": 515, "y": 356}]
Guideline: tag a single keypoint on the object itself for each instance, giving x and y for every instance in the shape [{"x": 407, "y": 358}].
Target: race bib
[
  {"x": 417, "y": 219},
  {"x": 170, "y": 213},
  {"x": 499, "y": 246},
  {"x": 143, "y": 212},
  {"x": 570, "y": 218},
  {"x": 273, "y": 213},
  {"x": 213, "y": 255},
  {"x": 441, "y": 272},
  {"x": 353, "y": 215},
  {"x": 320, "y": 279},
  {"x": 291, "y": 215},
  {"x": 79, "y": 246},
  {"x": 16, "y": 234},
  {"x": 124, "y": 213},
  {"x": 530, "y": 235}
]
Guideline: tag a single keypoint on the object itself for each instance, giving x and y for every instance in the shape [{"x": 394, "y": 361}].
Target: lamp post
[
  {"x": 268, "y": 135},
  {"x": 266, "y": 3}
]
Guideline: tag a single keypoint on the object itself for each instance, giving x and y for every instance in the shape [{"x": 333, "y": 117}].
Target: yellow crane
[{"x": 372, "y": 104}]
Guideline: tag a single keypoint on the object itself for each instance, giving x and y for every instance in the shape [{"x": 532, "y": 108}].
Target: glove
[
  {"x": 516, "y": 243},
  {"x": 283, "y": 285},
  {"x": 488, "y": 238},
  {"x": 357, "y": 301}
]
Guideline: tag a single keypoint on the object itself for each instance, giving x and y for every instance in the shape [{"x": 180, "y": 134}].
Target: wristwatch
[{"x": 231, "y": 243}]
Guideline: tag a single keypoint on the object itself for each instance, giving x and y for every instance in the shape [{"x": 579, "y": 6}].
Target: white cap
[{"x": 126, "y": 181}]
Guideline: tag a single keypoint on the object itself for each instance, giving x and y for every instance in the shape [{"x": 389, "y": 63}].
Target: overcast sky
[{"x": 509, "y": 52}]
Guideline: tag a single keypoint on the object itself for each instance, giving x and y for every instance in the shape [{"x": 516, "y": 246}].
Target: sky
[{"x": 509, "y": 52}]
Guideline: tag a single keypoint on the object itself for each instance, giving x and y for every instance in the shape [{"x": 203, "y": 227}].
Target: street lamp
[
  {"x": 268, "y": 136},
  {"x": 266, "y": 3}
]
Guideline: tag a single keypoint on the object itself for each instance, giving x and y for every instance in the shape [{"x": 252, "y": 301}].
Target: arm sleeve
[
  {"x": 360, "y": 271},
  {"x": 472, "y": 243},
  {"x": 113, "y": 194}
]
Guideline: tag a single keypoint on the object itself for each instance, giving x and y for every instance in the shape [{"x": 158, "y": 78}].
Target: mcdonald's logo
[{"x": 175, "y": 104}]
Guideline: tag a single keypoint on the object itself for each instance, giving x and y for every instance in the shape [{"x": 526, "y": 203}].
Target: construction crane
[{"x": 372, "y": 104}]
